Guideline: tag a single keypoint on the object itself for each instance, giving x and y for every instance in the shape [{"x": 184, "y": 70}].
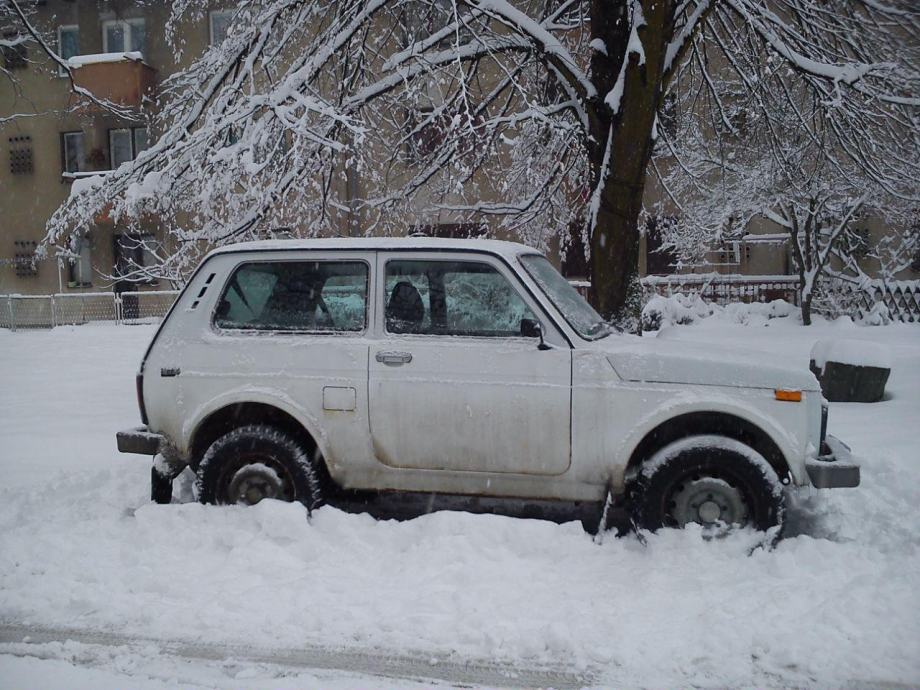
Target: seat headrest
[{"x": 405, "y": 310}]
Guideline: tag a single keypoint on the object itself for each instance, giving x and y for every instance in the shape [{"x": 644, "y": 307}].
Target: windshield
[{"x": 573, "y": 307}]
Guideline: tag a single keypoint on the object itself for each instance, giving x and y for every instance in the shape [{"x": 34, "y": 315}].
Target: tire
[
  {"x": 255, "y": 462},
  {"x": 711, "y": 480}
]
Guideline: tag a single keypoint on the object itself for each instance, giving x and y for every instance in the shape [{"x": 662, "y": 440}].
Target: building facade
[{"x": 49, "y": 139}]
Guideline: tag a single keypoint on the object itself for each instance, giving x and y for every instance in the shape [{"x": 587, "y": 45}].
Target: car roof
[{"x": 500, "y": 247}]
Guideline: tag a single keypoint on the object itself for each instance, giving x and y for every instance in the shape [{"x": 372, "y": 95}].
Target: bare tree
[
  {"x": 18, "y": 34},
  {"x": 532, "y": 117},
  {"x": 756, "y": 143}
]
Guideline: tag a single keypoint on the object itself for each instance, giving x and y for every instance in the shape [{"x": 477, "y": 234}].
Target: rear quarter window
[{"x": 295, "y": 296}]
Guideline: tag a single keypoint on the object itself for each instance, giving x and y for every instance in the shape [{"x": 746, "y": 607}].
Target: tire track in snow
[{"x": 398, "y": 666}]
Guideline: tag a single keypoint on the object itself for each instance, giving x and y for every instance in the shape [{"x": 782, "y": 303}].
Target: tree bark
[
  {"x": 806, "y": 309},
  {"x": 628, "y": 132}
]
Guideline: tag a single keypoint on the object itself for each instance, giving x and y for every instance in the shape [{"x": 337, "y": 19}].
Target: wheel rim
[
  {"x": 708, "y": 501},
  {"x": 254, "y": 478}
]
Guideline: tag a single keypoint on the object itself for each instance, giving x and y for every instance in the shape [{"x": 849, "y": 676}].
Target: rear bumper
[
  {"x": 834, "y": 468},
  {"x": 140, "y": 440}
]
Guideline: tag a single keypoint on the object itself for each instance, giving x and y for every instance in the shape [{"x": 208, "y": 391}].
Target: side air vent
[{"x": 204, "y": 289}]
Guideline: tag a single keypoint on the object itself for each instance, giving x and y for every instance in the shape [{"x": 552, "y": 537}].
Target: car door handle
[{"x": 394, "y": 358}]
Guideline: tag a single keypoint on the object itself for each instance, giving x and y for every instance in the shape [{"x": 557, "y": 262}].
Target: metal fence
[
  {"x": 723, "y": 289},
  {"x": 48, "y": 311}
]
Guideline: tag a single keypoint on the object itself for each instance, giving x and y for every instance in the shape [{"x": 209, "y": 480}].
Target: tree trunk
[
  {"x": 805, "y": 298},
  {"x": 614, "y": 260}
]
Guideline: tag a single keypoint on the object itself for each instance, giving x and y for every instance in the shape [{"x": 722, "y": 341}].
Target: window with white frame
[
  {"x": 219, "y": 21},
  {"x": 125, "y": 144},
  {"x": 73, "y": 157},
  {"x": 124, "y": 36},
  {"x": 68, "y": 43}
]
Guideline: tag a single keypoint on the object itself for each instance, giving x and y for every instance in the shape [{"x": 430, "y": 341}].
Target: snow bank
[
  {"x": 834, "y": 605},
  {"x": 861, "y": 353}
]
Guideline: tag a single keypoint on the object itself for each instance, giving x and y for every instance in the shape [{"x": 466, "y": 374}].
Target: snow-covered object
[
  {"x": 669, "y": 361},
  {"x": 677, "y": 309},
  {"x": 879, "y": 315},
  {"x": 480, "y": 414},
  {"x": 672, "y": 451},
  {"x": 680, "y": 309},
  {"x": 99, "y": 58},
  {"x": 860, "y": 353}
]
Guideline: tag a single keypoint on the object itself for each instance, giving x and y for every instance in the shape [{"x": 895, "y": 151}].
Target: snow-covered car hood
[{"x": 667, "y": 361}]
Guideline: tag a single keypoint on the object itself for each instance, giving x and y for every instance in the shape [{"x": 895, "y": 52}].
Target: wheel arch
[
  {"x": 711, "y": 422},
  {"x": 224, "y": 418}
]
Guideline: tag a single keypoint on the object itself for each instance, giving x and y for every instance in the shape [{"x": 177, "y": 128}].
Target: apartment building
[{"x": 118, "y": 51}]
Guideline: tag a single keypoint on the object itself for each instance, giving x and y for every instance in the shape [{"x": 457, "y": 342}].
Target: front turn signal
[{"x": 787, "y": 395}]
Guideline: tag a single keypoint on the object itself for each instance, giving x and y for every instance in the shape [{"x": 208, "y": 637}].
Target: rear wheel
[
  {"x": 255, "y": 462},
  {"x": 713, "y": 481}
]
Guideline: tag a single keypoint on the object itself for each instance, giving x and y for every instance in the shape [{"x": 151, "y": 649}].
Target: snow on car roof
[{"x": 504, "y": 248}]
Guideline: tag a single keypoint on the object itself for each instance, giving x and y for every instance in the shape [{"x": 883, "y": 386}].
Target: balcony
[{"x": 121, "y": 78}]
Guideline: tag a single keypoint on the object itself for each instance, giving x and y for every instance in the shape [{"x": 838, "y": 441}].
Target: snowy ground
[{"x": 193, "y": 596}]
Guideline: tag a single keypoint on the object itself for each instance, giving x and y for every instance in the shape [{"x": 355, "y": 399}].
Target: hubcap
[
  {"x": 708, "y": 501},
  {"x": 252, "y": 483}
]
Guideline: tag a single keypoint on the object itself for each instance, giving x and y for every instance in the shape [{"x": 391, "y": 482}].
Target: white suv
[{"x": 297, "y": 370}]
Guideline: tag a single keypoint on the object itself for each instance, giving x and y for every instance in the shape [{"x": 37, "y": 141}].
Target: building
[{"x": 118, "y": 51}]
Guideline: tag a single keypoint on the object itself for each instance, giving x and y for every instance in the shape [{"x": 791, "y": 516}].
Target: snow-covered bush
[
  {"x": 879, "y": 315},
  {"x": 745, "y": 312},
  {"x": 673, "y": 310},
  {"x": 680, "y": 309}
]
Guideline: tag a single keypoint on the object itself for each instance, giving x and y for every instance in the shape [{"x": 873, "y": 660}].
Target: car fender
[
  {"x": 254, "y": 394},
  {"x": 691, "y": 401}
]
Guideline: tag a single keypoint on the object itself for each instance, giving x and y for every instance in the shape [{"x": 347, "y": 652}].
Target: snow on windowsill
[
  {"x": 82, "y": 174},
  {"x": 98, "y": 58}
]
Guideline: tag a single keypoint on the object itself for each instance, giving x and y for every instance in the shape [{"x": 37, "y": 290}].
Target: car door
[
  {"x": 452, "y": 384},
  {"x": 290, "y": 330}
]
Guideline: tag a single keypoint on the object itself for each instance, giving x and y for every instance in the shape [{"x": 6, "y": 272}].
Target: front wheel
[
  {"x": 713, "y": 481},
  {"x": 255, "y": 462}
]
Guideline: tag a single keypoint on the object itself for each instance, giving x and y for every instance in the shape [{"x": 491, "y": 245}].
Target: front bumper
[
  {"x": 834, "y": 468},
  {"x": 140, "y": 440}
]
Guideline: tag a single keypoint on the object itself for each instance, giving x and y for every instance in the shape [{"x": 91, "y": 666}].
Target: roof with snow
[{"x": 501, "y": 247}]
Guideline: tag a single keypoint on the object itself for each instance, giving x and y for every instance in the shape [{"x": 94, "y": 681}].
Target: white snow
[
  {"x": 855, "y": 352},
  {"x": 633, "y": 47},
  {"x": 834, "y": 605},
  {"x": 98, "y": 58}
]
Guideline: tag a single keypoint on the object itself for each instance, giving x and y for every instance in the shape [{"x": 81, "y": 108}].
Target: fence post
[
  {"x": 9, "y": 304},
  {"x": 118, "y": 315},
  {"x": 53, "y": 313}
]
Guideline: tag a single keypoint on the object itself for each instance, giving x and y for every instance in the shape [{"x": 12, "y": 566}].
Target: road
[{"x": 26, "y": 640}]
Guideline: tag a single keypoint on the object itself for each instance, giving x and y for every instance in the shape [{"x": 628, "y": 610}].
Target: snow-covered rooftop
[{"x": 501, "y": 247}]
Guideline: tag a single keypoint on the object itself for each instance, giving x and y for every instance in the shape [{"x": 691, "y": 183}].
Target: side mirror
[{"x": 531, "y": 328}]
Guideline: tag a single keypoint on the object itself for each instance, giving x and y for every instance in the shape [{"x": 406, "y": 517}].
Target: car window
[
  {"x": 465, "y": 298},
  {"x": 304, "y": 296},
  {"x": 577, "y": 312}
]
